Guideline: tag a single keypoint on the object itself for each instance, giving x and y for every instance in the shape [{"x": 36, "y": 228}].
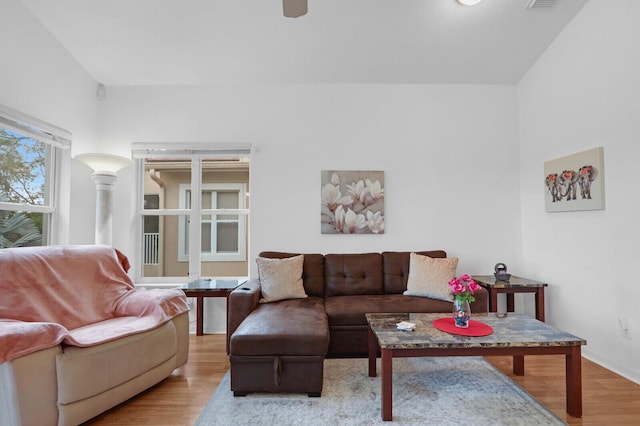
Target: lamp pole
[{"x": 104, "y": 195}]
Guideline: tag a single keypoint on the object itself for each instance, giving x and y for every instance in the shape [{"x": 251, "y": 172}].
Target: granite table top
[
  {"x": 491, "y": 281},
  {"x": 213, "y": 285},
  {"x": 509, "y": 330}
]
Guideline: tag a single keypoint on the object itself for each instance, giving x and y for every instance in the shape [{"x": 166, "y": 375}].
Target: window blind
[{"x": 177, "y": 150}]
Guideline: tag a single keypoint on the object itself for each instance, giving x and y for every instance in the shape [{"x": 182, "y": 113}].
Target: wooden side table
[
  {"x": 202, "y": 288},
  {"x": 514, "y": 285}
]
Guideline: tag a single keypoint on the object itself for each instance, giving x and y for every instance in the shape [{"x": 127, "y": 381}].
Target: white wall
[
  {"x": 449, "y": 154},
  {"x": 38, "y": 77},
  {"x": 582, "y": 93}
]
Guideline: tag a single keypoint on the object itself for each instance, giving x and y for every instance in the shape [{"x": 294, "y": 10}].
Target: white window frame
[
  {"x": 196, "y": 153},
  {"x": 214, "y": 256},
  {"x": 57, "y": 169}
]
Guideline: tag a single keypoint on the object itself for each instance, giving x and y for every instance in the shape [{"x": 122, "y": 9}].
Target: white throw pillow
[
  {"x": 429, "y": 277},
  {"x": 281, "y": 278}
]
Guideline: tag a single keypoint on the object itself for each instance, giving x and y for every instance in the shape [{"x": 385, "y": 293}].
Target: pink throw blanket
[{"x": 76, "y": 295}]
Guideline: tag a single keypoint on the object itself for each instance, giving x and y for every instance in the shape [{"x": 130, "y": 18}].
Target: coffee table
[
  {"x": 207, "y": 287},
  {"x": 513, "y": 334}
]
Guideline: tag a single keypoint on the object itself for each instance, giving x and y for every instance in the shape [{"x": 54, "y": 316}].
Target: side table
[
  {"x": 208, "y": 287},
  {"x": 514, "y": 285}
]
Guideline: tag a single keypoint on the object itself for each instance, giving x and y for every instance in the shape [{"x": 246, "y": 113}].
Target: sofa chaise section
[{"x": 280, "y": 347}]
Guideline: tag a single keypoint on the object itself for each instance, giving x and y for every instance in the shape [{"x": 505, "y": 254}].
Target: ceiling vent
[{"x": 539, "y": 4}]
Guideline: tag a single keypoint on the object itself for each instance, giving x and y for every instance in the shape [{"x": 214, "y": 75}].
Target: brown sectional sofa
[{"x": 281, "y": 346}]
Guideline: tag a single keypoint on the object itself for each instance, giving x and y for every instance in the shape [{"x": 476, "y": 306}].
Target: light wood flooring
[{"x": 607, "y": 398}]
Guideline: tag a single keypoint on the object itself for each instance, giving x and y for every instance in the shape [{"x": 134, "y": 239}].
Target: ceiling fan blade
[{"x": 294, "y": 8}]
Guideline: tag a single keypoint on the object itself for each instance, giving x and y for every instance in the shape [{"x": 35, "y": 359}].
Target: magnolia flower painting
[{"x": 352, "y": 202}]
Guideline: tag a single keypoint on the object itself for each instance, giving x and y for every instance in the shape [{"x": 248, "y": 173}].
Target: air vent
[{"x": 539, "y": 4}]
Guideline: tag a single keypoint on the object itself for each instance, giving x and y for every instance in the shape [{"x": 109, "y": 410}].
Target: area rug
[{"x": 426, "y": 391}]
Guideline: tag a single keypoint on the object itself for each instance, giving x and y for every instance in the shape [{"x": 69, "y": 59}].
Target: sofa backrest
[
  {"x": 356, "y": 273},
  {"x": 395, "y": 266},
  {"x": 69, "y": 285},
  {"x": 312, "y": 270},
  {"x": 353, "y": 274}
]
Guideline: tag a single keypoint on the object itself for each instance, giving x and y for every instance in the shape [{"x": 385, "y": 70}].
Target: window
[
  {"x": 31, "y": 155},
  {"x": 180, "y": 186},
  {"x": 222, "y": 235}
]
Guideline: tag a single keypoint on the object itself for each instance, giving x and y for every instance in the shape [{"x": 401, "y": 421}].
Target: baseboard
[{"x": 621, "y": 370}]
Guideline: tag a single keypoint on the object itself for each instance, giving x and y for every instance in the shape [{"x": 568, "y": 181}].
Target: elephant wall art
[{"x": 575, "y": 182}]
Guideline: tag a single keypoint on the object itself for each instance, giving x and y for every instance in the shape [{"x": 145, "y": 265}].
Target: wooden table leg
[
  {"x": 510, "y": 302},
  {"x": 199, "y": 316},
  {"x": 493, "y": 300},
  {"x": 373, "y": 353},
  {"x": 574, "y": 382},
  {"x": 387, "y": 388},
  {"x": 518, "y": 365},
  {"x": 540, "y": 304}
]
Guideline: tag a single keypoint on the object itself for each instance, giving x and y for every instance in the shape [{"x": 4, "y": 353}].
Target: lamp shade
[{"x": 100, "y": 162}]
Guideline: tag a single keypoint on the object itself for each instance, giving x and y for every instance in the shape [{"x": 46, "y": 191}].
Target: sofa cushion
[
  {"x": 395, "y": 267},
  {"x": 312, "y": 270},
  {"x": 351, "y": 274},
  {"x": 286, "y": 327},
  {"x": 430, "y": 277},
  {"x": 281, "y": 278},
  {"x": 350, "y": 310}
]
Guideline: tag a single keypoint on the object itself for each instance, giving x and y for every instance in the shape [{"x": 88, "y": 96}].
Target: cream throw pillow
[
  {"x": 281, "y": 278},
  {"x": 429, "y": 277}
]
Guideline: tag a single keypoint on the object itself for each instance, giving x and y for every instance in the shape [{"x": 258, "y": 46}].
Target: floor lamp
[{"x": 105, "y": 167}]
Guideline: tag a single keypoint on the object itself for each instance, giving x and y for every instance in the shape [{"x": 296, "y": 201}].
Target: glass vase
[{"x": 461, "y": 313}]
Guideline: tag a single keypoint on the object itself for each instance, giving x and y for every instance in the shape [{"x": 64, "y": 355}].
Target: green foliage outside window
[
  {"x": 22, "y": 181},
  {"x": 19, "y": 230}
]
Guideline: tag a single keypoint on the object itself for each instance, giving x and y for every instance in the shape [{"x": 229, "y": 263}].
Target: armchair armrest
[
  {"x": 18, "y": 338},
  {"x": 160, "y": 304},
  {"x": 242, "y": 301}
]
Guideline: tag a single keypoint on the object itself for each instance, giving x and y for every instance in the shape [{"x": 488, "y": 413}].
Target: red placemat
[{"x": 475, "y": 329}]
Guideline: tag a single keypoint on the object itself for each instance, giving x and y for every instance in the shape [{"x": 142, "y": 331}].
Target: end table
[
  {"x": 514, "y": 285},
  {"x": 207, "y": 287}
]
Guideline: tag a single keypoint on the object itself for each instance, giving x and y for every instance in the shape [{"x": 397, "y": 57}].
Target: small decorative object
[
  {"x": 461, "y": 313},
  {"x": 406, "y": 326},
  {"x": 500, "y": 272},
  {"x": 463, "y": 289}
]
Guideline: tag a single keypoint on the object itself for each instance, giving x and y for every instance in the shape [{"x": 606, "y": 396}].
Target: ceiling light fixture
[
  {"x": 534, "y": 4},
  {"x": 469, "y": 2},
  {"x": 294, "y": 8}
]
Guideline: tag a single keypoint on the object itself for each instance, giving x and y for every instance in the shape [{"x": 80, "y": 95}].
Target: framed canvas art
[
  {"x": 575, "y": 182},
  {"x": 352, "y": 202}
]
